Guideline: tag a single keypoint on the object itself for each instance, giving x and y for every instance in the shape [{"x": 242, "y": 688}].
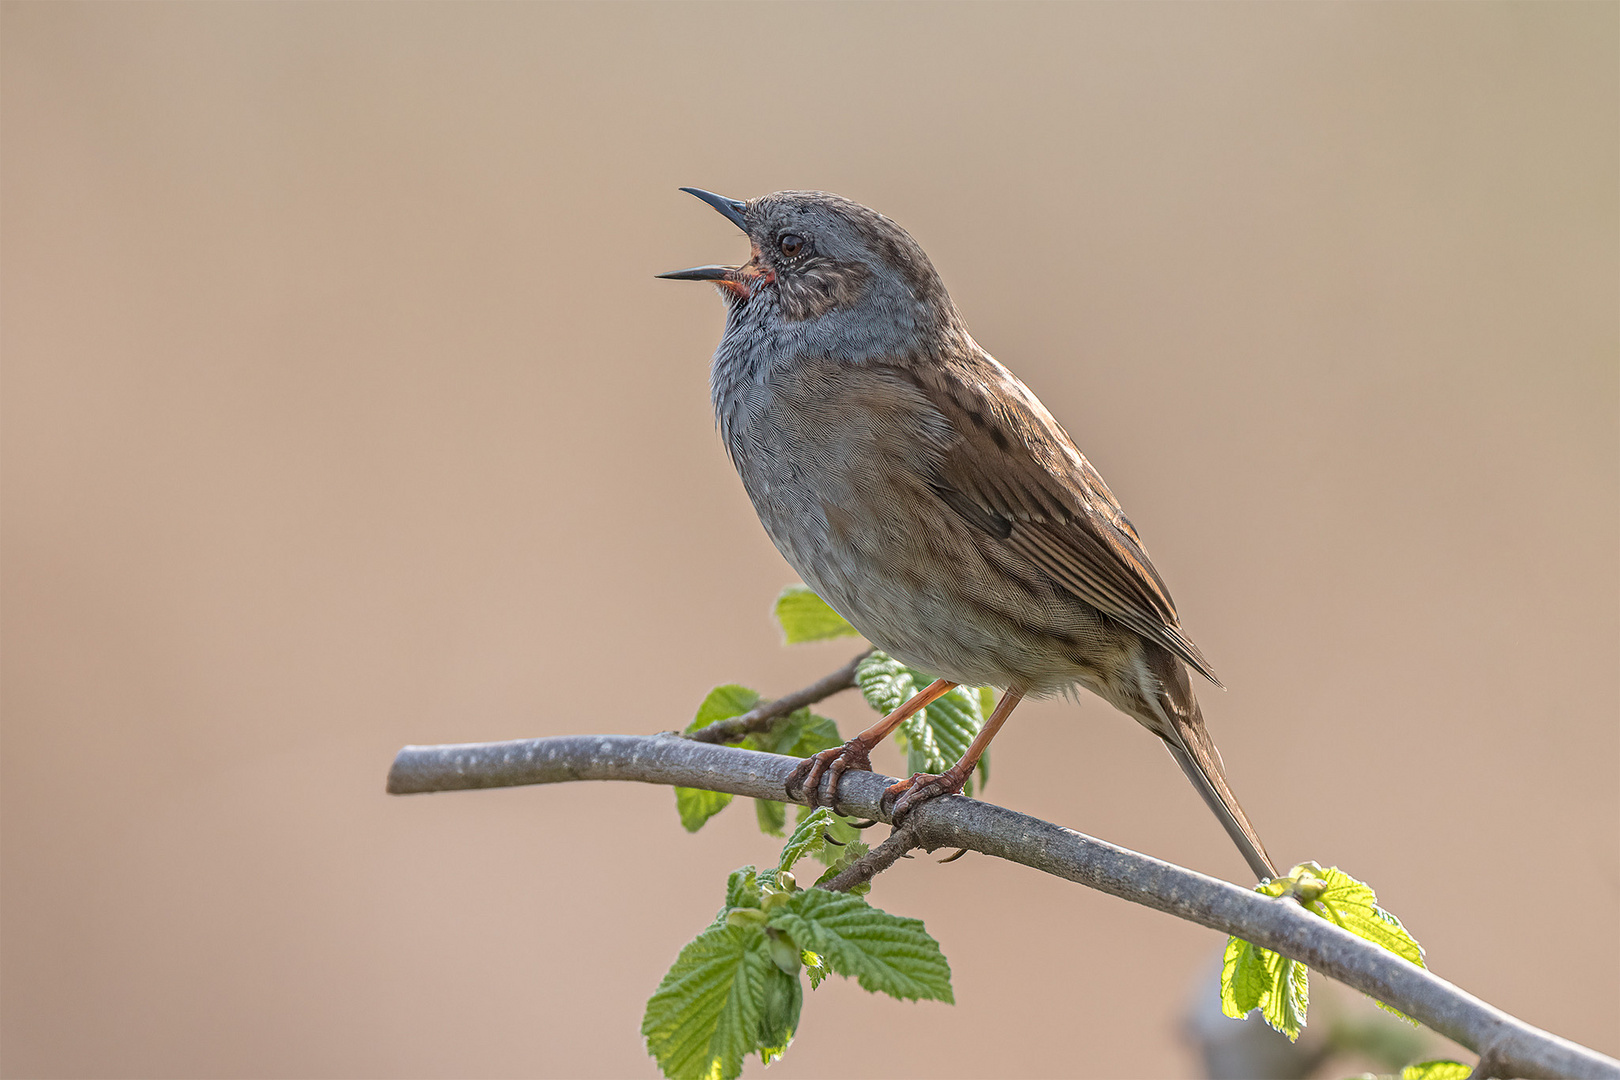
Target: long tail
[
  {"x": 1189, "y": 743},
  {"x": 1202, "y": 765}
]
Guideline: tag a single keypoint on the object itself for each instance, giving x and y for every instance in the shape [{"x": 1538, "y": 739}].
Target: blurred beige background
[{"x": 342, "y": 410}]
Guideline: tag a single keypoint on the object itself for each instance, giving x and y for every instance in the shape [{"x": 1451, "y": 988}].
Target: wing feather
[{"x": 1014, "y": 473}]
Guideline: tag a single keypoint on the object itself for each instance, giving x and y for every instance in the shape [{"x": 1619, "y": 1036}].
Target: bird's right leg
[{"x": 856, "y": 754}]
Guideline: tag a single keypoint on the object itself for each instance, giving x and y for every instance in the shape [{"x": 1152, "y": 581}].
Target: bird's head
[{"x": 822, "y": 258}]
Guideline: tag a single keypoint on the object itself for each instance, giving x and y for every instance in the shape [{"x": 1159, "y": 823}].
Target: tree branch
[
  {"x": 1507, "y": 1046},
  {"x": 874, "y": 862},
  {"x": 760, "y": 716}
]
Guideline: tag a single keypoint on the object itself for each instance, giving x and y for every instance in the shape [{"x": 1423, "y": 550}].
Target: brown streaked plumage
[{"x": 927, "y": 495}]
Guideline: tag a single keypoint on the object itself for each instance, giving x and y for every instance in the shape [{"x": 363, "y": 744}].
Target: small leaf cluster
[
  {"x": 735, "y": 989},
  {"x": 1255, "y": 978}
]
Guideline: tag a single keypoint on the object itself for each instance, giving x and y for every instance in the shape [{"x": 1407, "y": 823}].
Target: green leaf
[
  {"x": 884, "y": 953},
  {"x": 703, "y": 1017},
  {"x": 1244, "y": 979},
  {"x": 799, "y": 734},
  {"x": 1352, "y": 904},
  {"x": 807, "y": 838},
  {"x": 813, "y": 967},
  {"x": 1284, "y": 1009},
  {"x": 1437, "y": 1070},
  {"x": 806, "y": 617},
  {"x": 816, "y": 845},
  {"x": 726, "y": 995},
  {"x": 847, "y": 854},
  {"x": 1255, "y": 978},
  {"x": 742, "y": 890},
  {"x": 697, "y": 806},
  {"x": 936, "y": 737},
  {"x": 885, "y": 682},
  {"x": 781, "y": 998},
  {"x": 1252, "y": 977},
  {"x": 723, "y": 703}
]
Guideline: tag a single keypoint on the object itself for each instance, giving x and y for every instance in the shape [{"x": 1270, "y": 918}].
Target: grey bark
[{"x": 1508, "y": 1047}]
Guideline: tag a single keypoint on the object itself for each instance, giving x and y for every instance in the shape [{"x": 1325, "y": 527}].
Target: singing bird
[{"x": 930, "y": 498}]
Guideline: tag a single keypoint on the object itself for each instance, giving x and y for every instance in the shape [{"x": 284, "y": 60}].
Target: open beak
[{"x": 733, "y": 209}]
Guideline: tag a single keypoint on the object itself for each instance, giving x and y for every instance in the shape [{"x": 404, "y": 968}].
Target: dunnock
[{"x": 930, "y": 498}]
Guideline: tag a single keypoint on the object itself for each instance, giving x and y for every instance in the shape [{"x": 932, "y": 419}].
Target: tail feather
[
  {"x": 1175, "y": 717},
  {"x": 1204, "y": 770}
]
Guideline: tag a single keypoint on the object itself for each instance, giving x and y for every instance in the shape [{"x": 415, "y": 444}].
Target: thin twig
[
  {"x": 874, "y": 862},
  {"x": 1507, "y": 1046},
  {"x": 760, "y": 716}
]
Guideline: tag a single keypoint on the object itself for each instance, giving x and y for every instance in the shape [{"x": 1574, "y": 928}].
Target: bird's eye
[{"x": 791, "y": 244}]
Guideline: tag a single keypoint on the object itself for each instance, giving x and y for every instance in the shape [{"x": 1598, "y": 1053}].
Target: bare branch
[
  {"x": 1507, "y": 1046},
  {"x": 760, "y": 716},
  {"x": 874, "y": 862}
]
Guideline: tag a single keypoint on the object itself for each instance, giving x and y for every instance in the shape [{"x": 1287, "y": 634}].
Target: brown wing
[{"x": 1015, "y": 473}]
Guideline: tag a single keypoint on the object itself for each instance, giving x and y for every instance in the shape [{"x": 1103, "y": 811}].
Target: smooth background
[{"x": 342, "y": 411}]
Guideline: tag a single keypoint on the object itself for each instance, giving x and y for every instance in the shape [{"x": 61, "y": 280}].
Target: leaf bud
[
  {"x": 745, "y": 917},
  {"x": 784, "y": 954}
]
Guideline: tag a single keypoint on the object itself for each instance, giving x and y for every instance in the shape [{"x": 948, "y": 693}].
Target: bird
[{"x": 926, "y": 494}]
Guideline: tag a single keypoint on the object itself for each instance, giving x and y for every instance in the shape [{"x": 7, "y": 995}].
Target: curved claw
[
  {"x": 806, "y": 777},
  {"x": 902, "y": 798}
]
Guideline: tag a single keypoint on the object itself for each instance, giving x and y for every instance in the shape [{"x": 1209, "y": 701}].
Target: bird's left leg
[
  {"x": 855, "y": 754},
  {"x": 908, "y": 794}
]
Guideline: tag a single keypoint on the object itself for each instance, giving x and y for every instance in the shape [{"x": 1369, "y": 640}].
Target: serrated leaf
[
  {"x": 1437, "y": 1070},
  {"x": 1285, "y": 1007},
  {"x": 835, "y": 826},
  {"x": 807, "y": 837},
  {"x": 742, "y": 889},
  {"x": 1352, "y": 905},
  {"x": 737, "y": 1033},
  {"x": 884, "y": 953},
  {"x": 1244, "y": 979},
  {"x": 846, "y": 855},
  {"x": 699, "y": 1022},
  {"x": 696, "y": 806},
  {"x": 936, "y": 737},
  {"x": 1256, "y": 978},
  {"x": 806, "y": 617},
  {"x": 885, "y": 682},
  {"x": 813, "y": 967}
]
